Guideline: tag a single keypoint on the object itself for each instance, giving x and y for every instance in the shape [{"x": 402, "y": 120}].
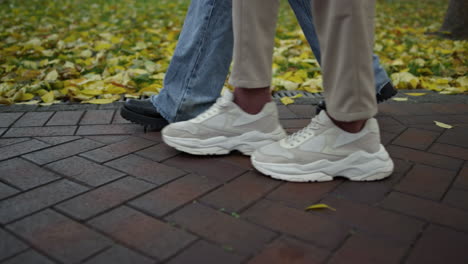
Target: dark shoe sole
[
  {"x": 387, "y": 92},
  {"x": 150, "y": 123}
]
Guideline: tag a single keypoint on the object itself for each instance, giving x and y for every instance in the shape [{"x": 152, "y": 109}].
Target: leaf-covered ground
[{"x": 99, "y": 51}]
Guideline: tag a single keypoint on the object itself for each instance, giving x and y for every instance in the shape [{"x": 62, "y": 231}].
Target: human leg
[
  {"x": 198, "y": 68},
  {"x": 305, "y": 18},
  {"x": 228, "y": 125},
  {"x": 344, "y": 140}
]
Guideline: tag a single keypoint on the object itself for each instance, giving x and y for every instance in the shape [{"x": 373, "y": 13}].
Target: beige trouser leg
[
  {"x": 254, "y": 23},
  {"x": 346, "y": 33}
]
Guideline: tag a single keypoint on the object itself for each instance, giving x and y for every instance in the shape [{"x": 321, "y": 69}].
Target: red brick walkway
[{"x": 86, "y": 187}]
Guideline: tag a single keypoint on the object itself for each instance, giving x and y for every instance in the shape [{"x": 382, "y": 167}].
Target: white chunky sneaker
[
  {"x": 322, "y": 151},
  {"x": 225, "y": 127}
]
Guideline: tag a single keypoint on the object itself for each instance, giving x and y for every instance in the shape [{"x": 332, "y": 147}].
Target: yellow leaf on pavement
[
  {"x": 442, "y": 125},
  {"x": 415, "y": 94},
  {"x": 286, "y": 100},
  {"x": 319, "y": 206},
  {"x": 99, "y": 101},
  {"x": 33, "y": 102}
]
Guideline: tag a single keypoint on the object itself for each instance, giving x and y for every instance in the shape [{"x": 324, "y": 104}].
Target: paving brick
[
  {"x": 151, "y": 135},
  {"x": 6, "y": 119},
  {"x": 371, "y": 220},
  {"x": 173, "y": 195},
  {"x": 120, "y": 255},
  {"x": 24, "y": 174},
  {"x": 59, "y": 236},
  {"x": 57, "y": 140},
  {"x": 372, "y": 192},
  {"x": 296, "y": 223},
  {"x": 10, "y": 141},
  {"x": 424, "y": 119},
  {"x": 40, "y": 131},
  {"x": 455, "y": 136},
  {"x": 158, "y": 153},
  {"x": 203, "y": 252},
  {"x": 32, "y": 119},
  {"x": 65, "y": 118},
  {"x": 118, "y": 149},
  {"x": 242, "y": 191},
  {"x": 118, "y": 119},
  {"x": 29, "y": 256},
  {"x": 108, "y": 139},
  {"x": 304, "y": 111},
  {"x": 416, "y": 138},
  {"x": 97, "y": 117},
  {"x": 62, "y": 151},
  {"x": 37, "y": 199},
  {"x": 404, "y": 109},
  {"x": 141, "y": 232},
  {"x": 418, "y": 156},
  {"x": 2, "y": 130},
  {"x": 239, "y": 160},
  {"x": 230, "y": 232},
  {"x": 386, "y": 137},
  {"x": 301, "y": 195},
  {"x": 390, "y": 125},
  {"x": 440, "y": 245},
  {"x": 366, "y": 192},
  {"x": 291, "y": 251},
  {"x": 294, "y": 123},
  {"x": 103, "y": 198},
  {"x": 368, "y": 250},
  {"x": 145, "y": 169},
  {"x": 426, "y": 181},
  {"x": 116, "y": 129},
  {"x": 7, "y": 191},
  {"x": 211, "y": 167},
  {"x": 428, "y": 210},
  {"x": 10, "y": 245},
  {"x": 450, "y": 150},
  {"x": 85, "y": 171},
  {"x": 457, "y": 197},
  {"x": 462, "y": 178},
  {"x": 285, "y": 113},
  {"x": 21, "y": 148}
]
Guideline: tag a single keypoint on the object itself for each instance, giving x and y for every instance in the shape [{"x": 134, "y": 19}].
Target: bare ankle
[
  {"x": 252, "y": 100},
  {"x": 350, "y": 127}
]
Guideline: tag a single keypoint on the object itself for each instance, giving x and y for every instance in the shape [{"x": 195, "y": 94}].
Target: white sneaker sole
[
  {"x": 246, "y": 143},
  {"x": 359, "y": 166}
]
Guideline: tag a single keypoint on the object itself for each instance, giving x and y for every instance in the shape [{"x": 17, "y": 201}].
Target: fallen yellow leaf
[
  {"x": 415, "y": 94},
  {"x": 289, "y": 100},
  {"x": 320, "y": 206},
  {"x": 99, "y": 101},
  {"x": 48, "y": 97},
  {"x": 443, "y": 125}
]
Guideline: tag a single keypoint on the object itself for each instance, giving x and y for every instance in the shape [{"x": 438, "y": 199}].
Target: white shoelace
[
  {"x": 213, "y": 110},
  {"x": 305, "y": 133}
]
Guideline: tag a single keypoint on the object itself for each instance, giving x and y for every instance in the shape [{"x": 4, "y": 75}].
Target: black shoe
[
  {"x": 387, "y": 92},
  {"x": 142, "y": 112}
]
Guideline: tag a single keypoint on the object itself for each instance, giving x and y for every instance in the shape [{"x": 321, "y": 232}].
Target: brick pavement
[{"x": 85, "y": 186}]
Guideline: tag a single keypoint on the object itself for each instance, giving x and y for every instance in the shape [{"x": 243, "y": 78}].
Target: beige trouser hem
[{"x": 345, "y": 29}]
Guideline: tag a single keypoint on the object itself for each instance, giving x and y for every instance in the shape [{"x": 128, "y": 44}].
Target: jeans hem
[{"x": 160, "y": 111}]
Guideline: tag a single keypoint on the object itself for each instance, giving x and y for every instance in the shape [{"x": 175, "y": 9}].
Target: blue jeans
[{"x": 203, "y": 56}]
